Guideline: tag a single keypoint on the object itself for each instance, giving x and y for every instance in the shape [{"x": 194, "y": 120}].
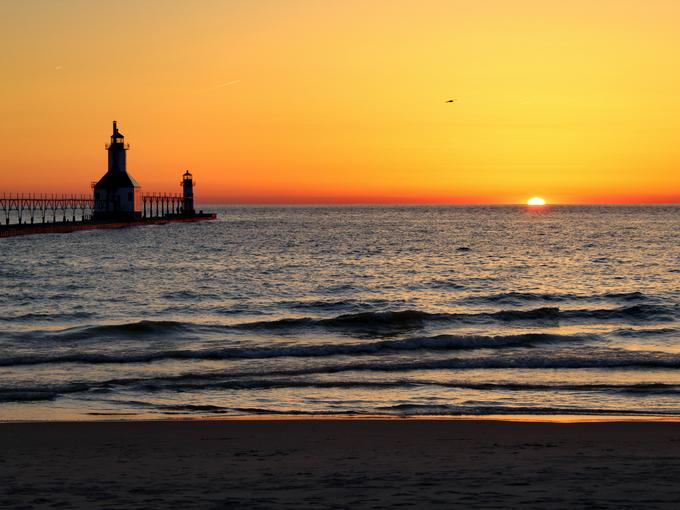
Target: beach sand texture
[{"x": 271, "y": 464}]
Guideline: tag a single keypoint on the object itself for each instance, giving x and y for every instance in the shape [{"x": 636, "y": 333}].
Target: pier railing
[
  {"x": 23, "y": 208},
  {"x": 158, "y": 205},
  {"x": 20, "y": 208}
]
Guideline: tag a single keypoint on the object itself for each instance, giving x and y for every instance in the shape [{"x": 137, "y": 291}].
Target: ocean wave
[
  {"x": 36, "y": 316},
  {"x": 641, "y": 333},
  {"x": 482, "y": 410},
  {"x": 208, "y": 382},
  {"x": 555, "y": 361},
  {"x": 374, "y": 322},
  {"x": 203, "y": 382},
  {"x": 91, "y": 333},
  {"x": 516, "y": 298},
  {"x": 379, "y": 323},
  {"x": 341, "y": 304},
  {"x": 191, "y": 295},
  {"x": 415, "y": 319},
  {"x": 592, "y": 358},
  {"x": 639, "y": 312},
  {"x": 174, "y": 409},
  {"x": 28, "y": 396},
  {"x": 41, "y": 393},
  {"x": 127, "y": 329},
  {"x": 410, "y": 409},
  {"x": 525, "y": 362},
  {"x": 446, "y": 284},
  {"x": 192, "y": 408},
  {"x": 229, "y": 379},
  {"x": 438, "y": 342}
]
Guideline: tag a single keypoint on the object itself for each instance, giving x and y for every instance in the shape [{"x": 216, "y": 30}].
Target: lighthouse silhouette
[
  {"x": 117, "y": 195},
  {"x": 188, "y": 193}
]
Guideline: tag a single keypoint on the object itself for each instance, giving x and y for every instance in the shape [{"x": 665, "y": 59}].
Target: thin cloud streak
[
  {"x": 232, "y": 82},
  {"x": 222, "y": 85}
]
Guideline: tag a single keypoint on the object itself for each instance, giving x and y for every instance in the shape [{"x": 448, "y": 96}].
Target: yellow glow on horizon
[
  {"x": 536, "y": 201},
  {"x": 307, "y": 101}
]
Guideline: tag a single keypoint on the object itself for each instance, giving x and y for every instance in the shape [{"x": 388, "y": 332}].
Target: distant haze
[{"x": 331, "y": 102}]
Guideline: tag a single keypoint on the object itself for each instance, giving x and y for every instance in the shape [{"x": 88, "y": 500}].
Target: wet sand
[{"x": 297, "y": 464}]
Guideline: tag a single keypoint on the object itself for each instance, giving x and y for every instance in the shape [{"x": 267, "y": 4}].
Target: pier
[
  {"x": 25, "y": 214},
  {"x": 22, "y": 209},
  {"x": 116, "y": 202}
]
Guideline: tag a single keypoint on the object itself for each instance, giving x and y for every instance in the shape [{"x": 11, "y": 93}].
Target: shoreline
[{"x": 509, "y": 418}]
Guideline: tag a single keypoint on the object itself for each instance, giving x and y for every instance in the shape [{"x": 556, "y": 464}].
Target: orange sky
[{"x": 344, "y": 101}]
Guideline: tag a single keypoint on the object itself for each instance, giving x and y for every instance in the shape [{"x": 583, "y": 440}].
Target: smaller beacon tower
[{"x": 188, "y": 194}]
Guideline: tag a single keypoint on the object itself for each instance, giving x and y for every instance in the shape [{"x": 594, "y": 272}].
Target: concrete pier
[{"x": 68, "y": 227}]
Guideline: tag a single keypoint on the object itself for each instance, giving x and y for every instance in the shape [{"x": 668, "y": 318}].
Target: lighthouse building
[
  {"x": 117, "y": 195},
  {"x": 188, "y": 194}
]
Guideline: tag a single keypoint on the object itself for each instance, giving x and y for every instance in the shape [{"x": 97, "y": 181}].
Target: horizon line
[{"x": 446, "y": 204}]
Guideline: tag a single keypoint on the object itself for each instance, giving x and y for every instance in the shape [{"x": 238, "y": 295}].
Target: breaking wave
[
  {"x": 208, "y": 382},
  {"x": 366, "y": 323},
  {"x": 454, "y": 410},
  {"x": 409, "y": 319},
  {"x": 438, "y": 342}
]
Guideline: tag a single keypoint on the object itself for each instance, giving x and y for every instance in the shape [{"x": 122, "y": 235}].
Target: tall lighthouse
[{"x": 117, "y": 196}]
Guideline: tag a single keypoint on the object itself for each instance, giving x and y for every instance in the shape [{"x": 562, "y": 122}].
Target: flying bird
[{"x": 450, "y": 101}]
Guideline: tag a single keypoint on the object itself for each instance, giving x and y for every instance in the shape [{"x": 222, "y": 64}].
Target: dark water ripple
[{"x": 439, "y": 342}]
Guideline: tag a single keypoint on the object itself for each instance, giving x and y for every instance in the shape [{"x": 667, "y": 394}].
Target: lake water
[{"x": 439, "y": 310}]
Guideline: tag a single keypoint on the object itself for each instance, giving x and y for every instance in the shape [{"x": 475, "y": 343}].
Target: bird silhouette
[{"x": 450, "y": 101}]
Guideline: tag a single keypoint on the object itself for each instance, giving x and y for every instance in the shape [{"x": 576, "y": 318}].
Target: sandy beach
[{"x": 340, "y": 464}]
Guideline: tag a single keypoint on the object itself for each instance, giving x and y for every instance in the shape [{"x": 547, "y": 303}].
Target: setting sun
[{"x": 536, "y": 201}]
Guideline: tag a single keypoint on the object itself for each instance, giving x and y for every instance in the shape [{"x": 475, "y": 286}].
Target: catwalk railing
[
  {"x": 31, "y": 208},
  {"x": 22, "y": 208},
  {"x": 158, "y": 205}
]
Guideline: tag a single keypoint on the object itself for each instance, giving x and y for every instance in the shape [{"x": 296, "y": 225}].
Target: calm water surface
[{"x": 347, "y": 310}]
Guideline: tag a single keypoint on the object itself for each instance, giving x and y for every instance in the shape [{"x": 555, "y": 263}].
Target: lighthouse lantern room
[{"x": 117, "y": 195}]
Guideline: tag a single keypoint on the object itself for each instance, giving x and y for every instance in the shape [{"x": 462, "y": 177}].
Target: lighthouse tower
[
  {"x": 188, "y": 193},
  {"x": 117, "y": 196},
  {"x": 117, "y": 150}
]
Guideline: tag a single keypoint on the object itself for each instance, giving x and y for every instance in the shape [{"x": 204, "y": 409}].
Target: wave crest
[{"x": 438, "y": 342}]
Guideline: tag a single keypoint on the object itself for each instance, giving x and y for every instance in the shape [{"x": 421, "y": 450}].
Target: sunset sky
[{"x": 345, "y": 101}]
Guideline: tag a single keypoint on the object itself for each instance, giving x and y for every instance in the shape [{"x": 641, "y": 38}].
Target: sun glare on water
[{"x": 535, "y": 201}]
